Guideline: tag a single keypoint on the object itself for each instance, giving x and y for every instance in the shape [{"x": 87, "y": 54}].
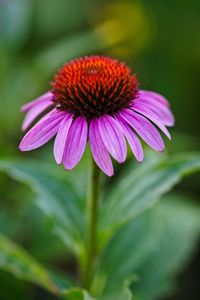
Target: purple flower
[{"x": 96, "y": 100}]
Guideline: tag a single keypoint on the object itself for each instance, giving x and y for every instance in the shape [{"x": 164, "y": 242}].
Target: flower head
[
  {"x": 96, "y": 99},
  {"x": 94, "y": 86}
]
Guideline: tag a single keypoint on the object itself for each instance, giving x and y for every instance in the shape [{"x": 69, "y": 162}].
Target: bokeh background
[{"x": 160, "y": 40}]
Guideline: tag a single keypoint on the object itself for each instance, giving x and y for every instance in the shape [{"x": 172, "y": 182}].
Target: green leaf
[
  {"x": 142, "y": 187},
  {"x": 180, "y": 224},
  {"x": 152, "y": 249},
  {"x": 18, "y": 262},
  {"x": 56, "y": 197},
  {"x": 121, "y": 292},
  {"x": 76, "y": 294}
]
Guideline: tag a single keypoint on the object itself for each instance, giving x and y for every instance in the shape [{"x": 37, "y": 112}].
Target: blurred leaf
[
  {"x": 38, "y": 234},
  {"x": 121, "y": 292},
  {"x": 180, "y": 225},
  {"x": 153, "y": 248},
  {"x": 76, "y": 294},
  {"x": 15, "y": 19},
  {"x": 56, "y": 198},
  {"x": 62, "y": 280},
  {"x": 18, "y": 262},
  {"x": 142, "y": 187}
]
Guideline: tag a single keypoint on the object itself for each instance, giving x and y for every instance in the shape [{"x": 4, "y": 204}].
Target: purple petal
[
  {"x": 113, "y": 138},
  {"x": 75, "y": 143},
  {"x": 99, "y": 151},
  {"x": 152, "y": 117},
  {"x": 47, "y": 97},
  {"x": 144, "y": 128},
  {"x": 132, "y": 138},
  {"x": 42, "y": 132},
  {"x": 60, "y": 140},
  {"x": 155, "y": 96},
  {"x": 34, "y": 112},
  {"x": 161, "y": 110}
]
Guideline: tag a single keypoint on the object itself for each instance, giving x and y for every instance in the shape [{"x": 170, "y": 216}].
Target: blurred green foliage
[
  {"x": 128, "y": 248},
  {"x": 160, "y": 40}
]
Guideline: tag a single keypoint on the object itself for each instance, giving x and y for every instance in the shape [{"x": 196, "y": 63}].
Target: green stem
[{"x": 93, "y": 205}]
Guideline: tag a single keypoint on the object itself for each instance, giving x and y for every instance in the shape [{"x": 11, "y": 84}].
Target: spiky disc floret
[{"x": 94, "y": 86}]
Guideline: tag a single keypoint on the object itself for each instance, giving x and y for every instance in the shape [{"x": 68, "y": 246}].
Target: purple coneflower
[{"x": 96, "y": 99}]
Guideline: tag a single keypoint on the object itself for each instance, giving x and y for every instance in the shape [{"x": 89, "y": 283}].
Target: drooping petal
[
  {"x": 132, "y": 138},
  {"x": 151, "y": 116},
  {"x": 60, "y": 140},
  {"x": 113, "y": 137},
  {"x": 34, "y": 112},
  {"x": 75, "y": 143},
  {"x": 47, "y": 97},
  {"x": 155, "y": 96},
  {"x": 42, "y": 132},
  {"x": 99, "y": 151},
  {"x": 144, "y": 128},
  {"x": 161, "y": 110}
]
